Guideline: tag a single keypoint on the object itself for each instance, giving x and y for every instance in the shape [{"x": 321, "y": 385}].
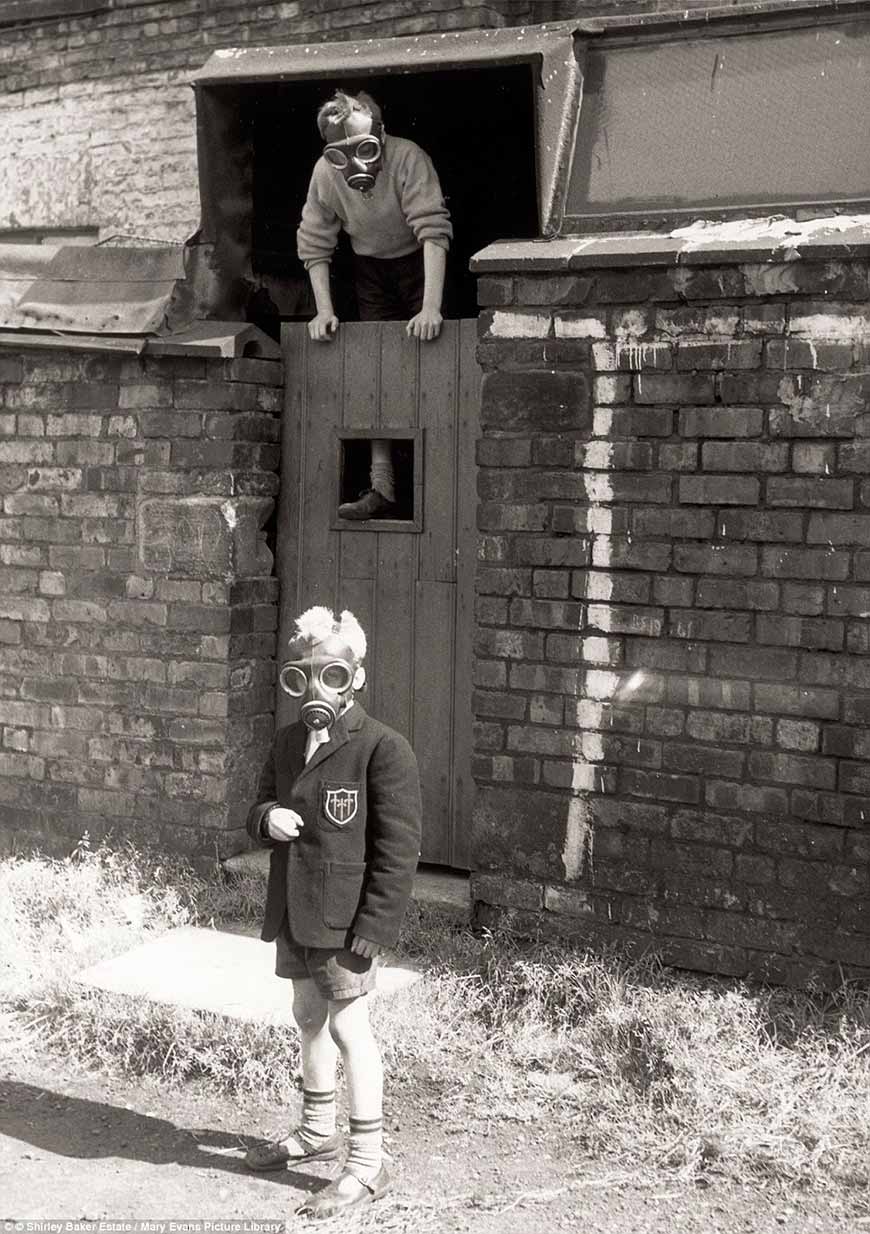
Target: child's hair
[
  {"x": 319, "y": 623},
  {"x": 337, "y": 109}
]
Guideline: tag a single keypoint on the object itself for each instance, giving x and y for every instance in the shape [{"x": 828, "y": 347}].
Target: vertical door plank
[
  {"x": 433, "y": 713},
  {"x": 394, "y": 615},
  {"x": 294, "y": 339},
  {"x": 362, "y": 382},
  {"x": 318, "y": 555},
  {"x": 438, "y": 411},
  {"x": 399, "y": 377},
  {"x": 358, "y": 594},
  {"x": 468, "y": 432}
]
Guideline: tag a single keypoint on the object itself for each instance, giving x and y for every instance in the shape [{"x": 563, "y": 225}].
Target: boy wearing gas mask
[
  {"x": 385, "y": 193},
  {"x": 339, "y": 805}
]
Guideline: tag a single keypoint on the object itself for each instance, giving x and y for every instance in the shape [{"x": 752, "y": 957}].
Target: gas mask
[
  {"x": 357, "y": 155},
  {"x": 323, "y": 672}
]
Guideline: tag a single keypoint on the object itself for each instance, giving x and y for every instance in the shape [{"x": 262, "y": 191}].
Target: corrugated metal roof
[
  {"x": 402, "y": 55},
  {"x": 89, "y": 289}
]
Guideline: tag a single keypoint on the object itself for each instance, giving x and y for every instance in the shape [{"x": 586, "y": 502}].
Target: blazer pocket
[{"x": 342, "y": 891}]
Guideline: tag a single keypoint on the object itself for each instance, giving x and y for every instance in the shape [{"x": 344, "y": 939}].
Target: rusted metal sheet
[{"x": 88, "y": 290}]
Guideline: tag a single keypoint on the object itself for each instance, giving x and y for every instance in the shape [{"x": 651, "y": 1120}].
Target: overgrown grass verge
[{"x": 630, "y": 1061}]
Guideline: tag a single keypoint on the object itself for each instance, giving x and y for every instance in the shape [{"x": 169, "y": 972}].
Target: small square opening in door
[{"x": 366, "y": 455}]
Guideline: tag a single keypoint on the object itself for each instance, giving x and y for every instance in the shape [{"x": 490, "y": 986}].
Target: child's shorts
[{"x": 337, "y": 972}]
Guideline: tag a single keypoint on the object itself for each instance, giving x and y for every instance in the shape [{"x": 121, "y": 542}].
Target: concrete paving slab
[
  {"x": 225, "y": 972},
  {"x": 447, "y": 890}
]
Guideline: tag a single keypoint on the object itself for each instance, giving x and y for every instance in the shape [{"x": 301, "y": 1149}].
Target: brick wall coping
[
  {"x": 774, "y": 238},
  {"x": 230, "y": 340}
]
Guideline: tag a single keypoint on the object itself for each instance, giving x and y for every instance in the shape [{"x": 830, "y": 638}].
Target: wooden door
[{"x": 411, "y": 583}]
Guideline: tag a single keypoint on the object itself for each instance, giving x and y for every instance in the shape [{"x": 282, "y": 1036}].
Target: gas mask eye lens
[
  {"x": 336, "y": 158},
  {"x": 293, "y": 681},
  {"x": 336, "y": 677},
  {"x": 368, "y": 151}
]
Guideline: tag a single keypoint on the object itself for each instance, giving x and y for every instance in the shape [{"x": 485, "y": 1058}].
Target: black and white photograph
[{"x": 435, "y": 616}]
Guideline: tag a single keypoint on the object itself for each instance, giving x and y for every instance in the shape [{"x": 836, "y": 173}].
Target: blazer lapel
[{"x": 344, "y": 727}]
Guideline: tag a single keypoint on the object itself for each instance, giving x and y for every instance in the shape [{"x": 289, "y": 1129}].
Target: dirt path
[{"x": 83, "y": 1146}]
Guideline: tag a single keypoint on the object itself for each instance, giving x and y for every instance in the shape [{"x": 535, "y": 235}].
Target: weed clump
[{"x": 624, "y": 1057}]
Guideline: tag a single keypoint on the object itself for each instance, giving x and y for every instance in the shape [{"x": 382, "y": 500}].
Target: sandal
[
  {"x": 345, "y": 1192},
  {"x": 275, "y": 1155}
]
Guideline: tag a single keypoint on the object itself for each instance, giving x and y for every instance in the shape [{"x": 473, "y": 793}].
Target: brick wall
[
  {"x": 97, "y": 124},
  {"x": 138, "y": 607},
  {"x": 672, "y": 672}
]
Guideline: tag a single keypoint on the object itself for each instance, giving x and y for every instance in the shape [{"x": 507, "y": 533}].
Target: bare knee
[
  {"x": 348, "y": 1021},
  {"x": 310, "y": 1008}
]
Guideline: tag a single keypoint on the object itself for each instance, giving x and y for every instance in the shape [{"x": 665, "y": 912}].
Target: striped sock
[
  {"x": 318, "y": 1117},
  {"x": 366, "y": 1148}
]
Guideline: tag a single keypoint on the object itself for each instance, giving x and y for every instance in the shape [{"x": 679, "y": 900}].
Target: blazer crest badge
[{"x": 340, "y": 805}]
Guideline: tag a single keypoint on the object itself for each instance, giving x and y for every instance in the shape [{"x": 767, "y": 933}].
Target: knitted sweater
[{"x": 405, "y": 207}]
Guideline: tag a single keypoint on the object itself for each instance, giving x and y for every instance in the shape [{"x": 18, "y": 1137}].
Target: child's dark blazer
[{"x": 351, "y": 869}]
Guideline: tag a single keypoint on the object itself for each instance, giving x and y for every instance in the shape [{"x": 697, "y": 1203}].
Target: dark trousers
[{"x": 389, "y": 288}]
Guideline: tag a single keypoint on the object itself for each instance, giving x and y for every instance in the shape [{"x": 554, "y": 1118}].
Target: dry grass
[{"x": 635, "y": 1063}]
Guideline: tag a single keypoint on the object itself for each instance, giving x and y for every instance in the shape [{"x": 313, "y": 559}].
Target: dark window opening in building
[{"x": 477, "y": 125}]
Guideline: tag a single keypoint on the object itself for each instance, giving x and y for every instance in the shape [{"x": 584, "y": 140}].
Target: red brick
[
  {"x": 762, "y": 662},
  {"x": 730, "y": 354},
  {"x": 668, "y": 388},
  {"x": 703, "y": 692},
  {"x": 815, "y": 492},
  {"x": 542, "y": 399},
  {"x": 713, "y": 626},
  {"x": 800, "y": 632},
  {"x": 797, "y": 701},
  {"x": 744, "y": 456},
  {"x": 674, "y": 523},
  {"x": 721, "y": 422},
  {"x": 660, "y": 786},
  {"x": 719, "y": 490},
  {"x": 737, "y": 594},
  {"x": 760, "y": 525},
  {"x": 804, "y": 563},
  {"x": 495, "y": 290},
  {"x": 730, "y": 559}
]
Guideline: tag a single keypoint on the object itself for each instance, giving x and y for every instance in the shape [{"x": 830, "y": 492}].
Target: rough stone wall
[
  {"x": 672, "y": 672},
  {"x": 97, "y": 124},
  {"x": 137, "y": 603}
]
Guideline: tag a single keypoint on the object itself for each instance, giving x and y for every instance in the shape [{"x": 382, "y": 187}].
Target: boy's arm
[
  {"x": 266, "y": 798},
  {"x": 428, "y": 217},
  {"x": 427, "y": 323},
  {"x": 322, "y": 328},
  {"x": 394, "y": 822},
  {"x": 316, "y": 238}
]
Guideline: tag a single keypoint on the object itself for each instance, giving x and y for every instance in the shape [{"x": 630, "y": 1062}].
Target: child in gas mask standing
[
  {"x": 339, "y": 805},
  {"x": 384, "y": 192}
]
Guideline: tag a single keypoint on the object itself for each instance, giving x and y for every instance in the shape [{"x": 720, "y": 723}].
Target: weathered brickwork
[
  {"x": 97, "y": 125},
  {"x": 673, "y": 598},
  {"x": 138, "y": 609}
]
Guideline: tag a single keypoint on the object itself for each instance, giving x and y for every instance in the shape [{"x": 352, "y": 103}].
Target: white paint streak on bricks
[
  {"x": 580, "y": 327},
  {"x": 577, "y": 852},
  {"x": 832, "y": 326},
  {"x": 519, "y": 325}
]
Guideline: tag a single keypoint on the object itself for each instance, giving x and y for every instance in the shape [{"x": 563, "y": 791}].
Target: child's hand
[
  {"x": 283, "y": 824},
  {"x": 362, "y": 946},
  {"x": 322, "y": 327},
  {"x": 426, "y": 325}
]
